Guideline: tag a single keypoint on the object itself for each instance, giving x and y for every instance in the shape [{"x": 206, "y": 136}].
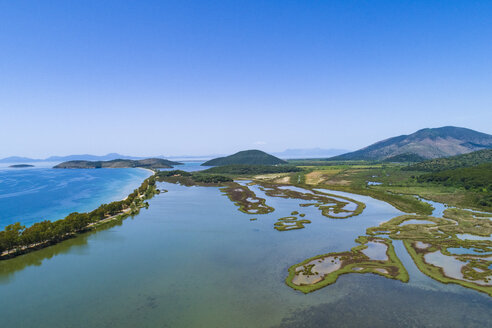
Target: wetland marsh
[{"x": 199, "y": 257}]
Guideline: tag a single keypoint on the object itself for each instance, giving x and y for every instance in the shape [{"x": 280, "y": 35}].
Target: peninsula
[{"x": 149, "y": 163}]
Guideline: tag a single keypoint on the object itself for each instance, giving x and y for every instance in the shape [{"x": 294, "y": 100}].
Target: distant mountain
[
  {"x": 309, "y": 153},
  {"x": 250, "y": 157},
  {"x": 87, "y": 157},
  {"x": 449, "y": 163},
  {"x": 18, "y": 159},
  {"x": 84, "y": 157},
  {"x": 149, "y": 163},
  {"x": 426, "y": 143}
]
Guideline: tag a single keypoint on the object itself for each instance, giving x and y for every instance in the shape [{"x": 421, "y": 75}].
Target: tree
[
  {"x": 12, "y": 235},
  {"x": 3, "y": 245}
]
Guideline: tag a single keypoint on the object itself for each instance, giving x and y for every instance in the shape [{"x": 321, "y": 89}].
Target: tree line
[
  {"x": 454, "y": 162},
  {"x": 477, "y": 178},
  {"x": 196, "y": 177},
  {"x": 245, "y": 169},
  {"x": 16, "y": 237}
]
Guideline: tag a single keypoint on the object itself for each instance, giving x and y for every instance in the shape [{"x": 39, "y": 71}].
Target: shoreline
[
  {"x": 108, "y": 197},
  {"x": 75, "y": 227}
]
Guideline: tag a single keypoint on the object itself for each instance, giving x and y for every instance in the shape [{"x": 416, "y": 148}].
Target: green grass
[
  {"x": 290, "y": 223},
  {"x": 398, "y": 187}
]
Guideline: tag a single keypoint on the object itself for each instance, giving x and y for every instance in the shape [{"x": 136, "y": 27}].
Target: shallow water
[
  {"x": 463, "y": 250},
  {"x": 193, "y": 260},
  {"x": 450, "y": 265},
  {"x": 468, "y": 236},
  {"x": 376, "y": 251},
  {"x": 439, "y": 208}
]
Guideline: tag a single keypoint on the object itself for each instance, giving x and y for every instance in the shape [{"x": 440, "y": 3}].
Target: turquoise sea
[{"x": 30, "y": 195}]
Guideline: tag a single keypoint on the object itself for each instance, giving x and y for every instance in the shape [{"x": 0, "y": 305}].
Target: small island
[
  {"x": 149, "y": 163},
  {"x": 20, "y": 166}
]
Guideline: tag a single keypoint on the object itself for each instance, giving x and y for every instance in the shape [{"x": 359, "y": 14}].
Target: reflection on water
[{"x": 75, "y": 245}]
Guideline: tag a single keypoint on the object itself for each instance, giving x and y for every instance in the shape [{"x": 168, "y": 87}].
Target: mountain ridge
[
  {"x": 428, "y": 143},
  {"x": 77, "y": 157}
]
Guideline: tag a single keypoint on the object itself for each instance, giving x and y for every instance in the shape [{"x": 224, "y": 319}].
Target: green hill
[
  {"x": 426, "y": 143},
  {"x": 246, "y": 169},
  {"x": 454, "y": 162},
  {"x": 250, "y": 157},
  {"x": 149, "y": 163}
]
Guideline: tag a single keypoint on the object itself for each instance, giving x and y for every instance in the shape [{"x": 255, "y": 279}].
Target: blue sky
[{"x": 200, "y": 77}]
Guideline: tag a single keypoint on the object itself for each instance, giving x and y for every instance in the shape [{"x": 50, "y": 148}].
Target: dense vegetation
[
  {"x": 16, "y": 238},
  {"x": 454, "y": 162},
  {"x": 197, "y": 177},
  {"x": 477, "y": 178},
  {"x": 251, "y": 157},
  {"x": 401, "y": 158},
  {"x": 252, "y": 169},
  {"x": 149, "y": 163},
  {"x": 210, "y": 178}
]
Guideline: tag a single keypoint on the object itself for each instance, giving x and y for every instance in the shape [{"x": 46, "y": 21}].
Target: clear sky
[{"x": 200, "y": 77}]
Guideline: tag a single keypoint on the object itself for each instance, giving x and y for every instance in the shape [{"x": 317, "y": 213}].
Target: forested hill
[
  {"x": 149, "y": 163},
  {"x": 251, "y": 157},
  {"x": 426, "y": 143},
  {"x": 454, "y": 162},
  {"x": 477, "y": 178}
]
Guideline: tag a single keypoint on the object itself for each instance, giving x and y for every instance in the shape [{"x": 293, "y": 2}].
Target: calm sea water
[
  {"x": 31, "y": 195},
  {"x": 193, "y": 260}
]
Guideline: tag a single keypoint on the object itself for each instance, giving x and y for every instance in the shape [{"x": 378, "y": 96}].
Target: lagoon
[{"x": 193, "y": 260}]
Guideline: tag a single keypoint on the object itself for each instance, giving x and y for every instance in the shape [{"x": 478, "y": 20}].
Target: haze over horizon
[{"x": 195, "y": 78}]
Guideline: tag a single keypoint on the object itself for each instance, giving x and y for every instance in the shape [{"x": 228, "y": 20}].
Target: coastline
[
  {"x": 32, "y": 195},
  {"x": 78, "y": 223}
]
